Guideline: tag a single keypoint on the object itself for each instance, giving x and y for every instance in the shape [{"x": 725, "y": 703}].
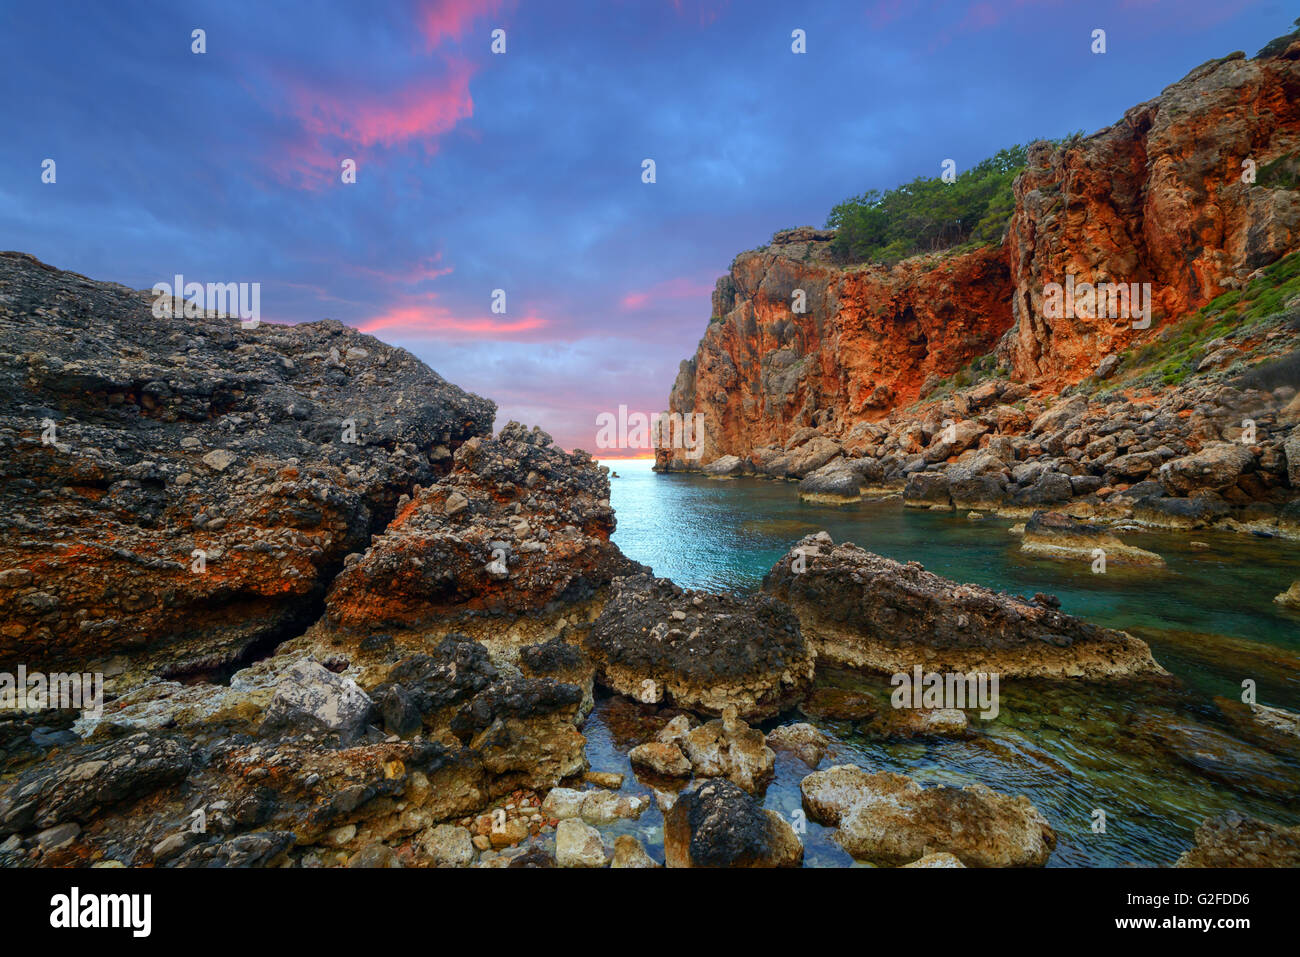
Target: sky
[{"x": 522, "y": 170}]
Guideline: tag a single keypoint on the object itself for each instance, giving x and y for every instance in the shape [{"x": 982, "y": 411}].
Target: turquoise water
[{"x": 1157, "y": 760}]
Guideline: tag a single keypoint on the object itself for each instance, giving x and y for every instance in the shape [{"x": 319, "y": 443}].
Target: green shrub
[{"x": 928, "y": 214}]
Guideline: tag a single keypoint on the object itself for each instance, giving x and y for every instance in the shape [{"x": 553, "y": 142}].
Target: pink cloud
[
  {"x": 420, "y": 112},
  {"x": 428, "y": 320},
  {"x": 680, "y": 288},
  {"x": 330, "y": 125},
  {"x": 422, "y": 271},
  {"x": 441, "y": 20}
]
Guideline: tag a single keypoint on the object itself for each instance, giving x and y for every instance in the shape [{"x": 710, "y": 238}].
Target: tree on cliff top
[{"x": 928, "y": 214}]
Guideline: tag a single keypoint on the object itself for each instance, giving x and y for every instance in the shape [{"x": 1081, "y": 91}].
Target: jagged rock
[
  {"x": 72, "y": 790},
  {"x": 888, "y": 818},
  {"x": 720, "y": 825},
  {"x": 1291, "y": 597},
  {"x": 863, "y": 611},
  {"x": 662, "y": 758},
  {"x": 522, "y": 730},
  {"x": 428, "y": 569},
  {"x": 311, "y": 699},
  {"x": 1234, "y": 840},
  {"x": 139, "y": 404},
  {"x": 728, "y": 747},
  {"x": 658, "y": 643},
  {"x": 804, "y": 740}
]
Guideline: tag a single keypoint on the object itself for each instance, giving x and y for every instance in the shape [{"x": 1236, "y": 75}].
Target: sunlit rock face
[{"x": 1156, "y": 200}]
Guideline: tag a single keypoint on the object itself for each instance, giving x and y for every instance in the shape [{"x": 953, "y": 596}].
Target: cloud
[
  {"x": 428, "y": 320},
  {"x": 443, "y": 20},
  {"x": 680, "y": 288},
  {"x": 421, "y": 112}
]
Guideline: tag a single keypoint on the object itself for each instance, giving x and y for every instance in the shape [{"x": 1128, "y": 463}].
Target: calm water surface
[{"x": 1156, "y": 760}]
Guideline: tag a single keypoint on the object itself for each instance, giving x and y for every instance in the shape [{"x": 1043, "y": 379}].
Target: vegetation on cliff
[{"x": 928, "y": 214}]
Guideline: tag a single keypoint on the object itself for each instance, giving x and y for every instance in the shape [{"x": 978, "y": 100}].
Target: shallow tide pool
[{"x": 1157, "y": 760}]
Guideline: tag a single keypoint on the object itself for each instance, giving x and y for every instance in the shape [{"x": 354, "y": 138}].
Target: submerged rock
[
  {"x": 1234, "y": 840},
  {"x": 1291, "y": 597},
  {"x": 1058, "y": 536},
  {"x": 860, "y": 610},
  {"x": 888, "y": 818},
  {"x": 628, "y": 852}
]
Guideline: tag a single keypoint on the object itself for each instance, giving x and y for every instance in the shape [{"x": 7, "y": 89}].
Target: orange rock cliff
[{"x": 1157, "y": 198}]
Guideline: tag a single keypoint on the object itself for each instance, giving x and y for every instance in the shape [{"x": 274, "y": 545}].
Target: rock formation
[
  {"x": 860, "y": 610},
  {"x": 177, "y": 490}
]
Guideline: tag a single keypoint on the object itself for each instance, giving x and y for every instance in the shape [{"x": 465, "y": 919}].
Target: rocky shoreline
[
  {"x": 391, "y": 648},
  {"x": 945, "y": 381}
]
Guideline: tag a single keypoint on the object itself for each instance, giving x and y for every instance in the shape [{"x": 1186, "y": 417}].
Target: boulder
[
  {"x": 1217, "y": 466},
  {"x": 1050, "y": 488},
  {"x": 834, "y": 484},
  {"x": 578, "y": 844},
  {"x": 927, "y": 490},
  {"x": 721, "y": 825},
  {"x": 888, "y": 818},
  {"x": 663, "y": 758},
  {"x": 725, "y": 465},
  {"x": 448, "y": 844},
  {"x": 658, "y": 643}
]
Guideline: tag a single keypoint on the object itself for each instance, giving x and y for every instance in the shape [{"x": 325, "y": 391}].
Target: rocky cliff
[{"x": 1161, "y": 197}]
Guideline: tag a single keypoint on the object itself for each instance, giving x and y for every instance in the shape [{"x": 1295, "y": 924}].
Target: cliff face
[
  {"x": 1157, "y": 198},
  {"x": 867, "y": 341}
]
